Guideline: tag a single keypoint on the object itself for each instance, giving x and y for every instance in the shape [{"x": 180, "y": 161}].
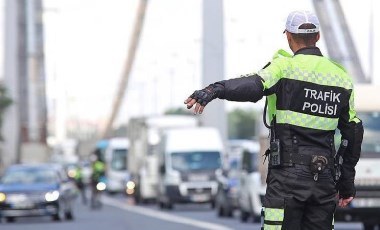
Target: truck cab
[
  {"x": 116, "y": 154},
  {"x": 189, "y": 158}
]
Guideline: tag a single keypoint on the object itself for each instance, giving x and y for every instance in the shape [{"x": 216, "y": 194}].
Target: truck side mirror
[
  {"x": 247, "y": 161},
  {"x": 162, "y": 169}
]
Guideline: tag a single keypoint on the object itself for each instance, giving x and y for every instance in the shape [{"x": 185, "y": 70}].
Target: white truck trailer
[
  {"x": 144, "y": 136},
  {"x": 366, "y": 205}
]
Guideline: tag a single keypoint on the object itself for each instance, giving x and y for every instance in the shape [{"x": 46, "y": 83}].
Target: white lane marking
[{"x": 162, "y": 215}]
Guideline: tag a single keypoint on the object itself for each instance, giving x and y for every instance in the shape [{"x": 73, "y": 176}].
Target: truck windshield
[
  {"x": 119, "y": 159},
  {"x": 194, "y": 161},
  {"x": 371, "y": 139}
]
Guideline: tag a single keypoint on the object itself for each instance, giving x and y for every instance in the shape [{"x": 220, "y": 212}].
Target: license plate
[
  {"x": 365, "y": 202},
  {"x": 200, "y": 197},
  {"x": 23, "y": 205}
]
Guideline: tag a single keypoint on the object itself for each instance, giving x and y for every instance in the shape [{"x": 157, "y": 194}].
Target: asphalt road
[{"x": 119, "y": 213}]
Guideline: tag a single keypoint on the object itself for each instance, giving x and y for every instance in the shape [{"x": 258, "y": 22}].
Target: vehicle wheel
[
  {"x": 69, "y": 215},
  {"x": 169, "y": 205},
  {"x": 229, "y": 212},
  {"x": 369, "y": 226},
  {"x": 244, "y": 216},
  {"x": 213, "y": 204},
  {"x": 256, "y": 218},
  {"x": 220, "y": 210},
  {"x": 60, "y": 214},
  {"x": 137, "y": 196},
  {"x": 10, "y": 219},
  {"x": 161, "y": 205}
]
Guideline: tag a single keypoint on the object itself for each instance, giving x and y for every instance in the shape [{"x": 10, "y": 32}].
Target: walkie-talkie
[{"x": 274, "y": 147}]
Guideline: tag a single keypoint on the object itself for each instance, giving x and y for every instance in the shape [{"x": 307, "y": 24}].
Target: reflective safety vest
[
  {"x": 307, "y": 97},
  {"x": 98, "y": 169}
]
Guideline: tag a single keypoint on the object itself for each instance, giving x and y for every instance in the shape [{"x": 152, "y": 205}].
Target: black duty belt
[{"x": 290, "y": 159}]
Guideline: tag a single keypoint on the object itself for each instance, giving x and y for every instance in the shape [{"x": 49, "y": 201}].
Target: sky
[{"x": 86, "y": 44}]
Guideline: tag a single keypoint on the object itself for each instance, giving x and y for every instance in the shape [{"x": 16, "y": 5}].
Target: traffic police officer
[{"x": 308, "y": 97}]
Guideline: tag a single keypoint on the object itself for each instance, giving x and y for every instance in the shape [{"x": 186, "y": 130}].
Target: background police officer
[{"x": 309, "y": 97}]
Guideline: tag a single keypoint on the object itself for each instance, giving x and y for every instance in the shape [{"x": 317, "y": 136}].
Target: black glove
[
  {"x": 346, "y": 189},
  {"x": 204, "y": 96}
]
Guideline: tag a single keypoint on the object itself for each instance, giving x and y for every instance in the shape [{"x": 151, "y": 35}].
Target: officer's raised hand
[{"x": 200, "y": 98}]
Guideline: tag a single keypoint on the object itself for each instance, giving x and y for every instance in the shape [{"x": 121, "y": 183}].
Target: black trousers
[{"x": 295, "y": 201}]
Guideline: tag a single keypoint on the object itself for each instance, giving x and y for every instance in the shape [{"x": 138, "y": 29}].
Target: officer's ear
[
  {"x": 288, "y": 36},
  {"x": 290, "y": 39},
  {"x": 317, "y": 37}
]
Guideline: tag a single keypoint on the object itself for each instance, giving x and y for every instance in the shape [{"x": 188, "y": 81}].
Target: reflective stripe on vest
[{"x": 306, "y": 120}]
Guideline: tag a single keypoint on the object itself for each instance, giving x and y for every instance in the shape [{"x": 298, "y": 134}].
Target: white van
[
  {"x": 116, "y": 164},
  {"x": 188, "y": 160},
  {"x": 251, "y": 187}
]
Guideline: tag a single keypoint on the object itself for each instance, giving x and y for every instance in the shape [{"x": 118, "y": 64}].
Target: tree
[
  {"x": 177, "y": 111},
  {"x": 242, "y": 124},
  {"x": 5, "y": 102}
]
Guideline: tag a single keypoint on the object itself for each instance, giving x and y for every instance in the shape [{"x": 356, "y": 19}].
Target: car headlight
[
  {"x": 52, "y": 196},
  {"x": 130, "y": 187},
  {"x": 2, "y": 197},
  {"x": 101, "y": 186}
]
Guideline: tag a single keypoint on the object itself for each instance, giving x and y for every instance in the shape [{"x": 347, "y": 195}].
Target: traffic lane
[
  {"x": 108, "y": 217},
  {"x": 203, "y": 213},
  {"x": 121, "y": 214}
]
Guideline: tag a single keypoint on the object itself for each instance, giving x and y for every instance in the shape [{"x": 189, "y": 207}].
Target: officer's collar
[{"x": 312, "y": 50}]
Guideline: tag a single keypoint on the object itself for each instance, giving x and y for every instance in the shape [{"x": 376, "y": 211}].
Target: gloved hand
[
  {"x": 201, "y": 98},
  {"x": 346, "y": 188}
]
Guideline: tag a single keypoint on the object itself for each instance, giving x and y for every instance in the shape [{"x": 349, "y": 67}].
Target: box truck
[{"x": 144, "y": 135}]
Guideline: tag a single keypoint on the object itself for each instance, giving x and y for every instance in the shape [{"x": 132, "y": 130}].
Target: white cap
[{"x": 298, "y": 18}]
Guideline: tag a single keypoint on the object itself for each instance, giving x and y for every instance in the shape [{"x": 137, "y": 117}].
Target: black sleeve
[
  {"x": 249, "y": 88},
  {"x": 353, "y": 132},
  {"x": 351, "y": 129}
]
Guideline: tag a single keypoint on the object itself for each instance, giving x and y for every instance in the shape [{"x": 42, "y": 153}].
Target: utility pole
[
  {"x": 24, "y": 127},
  {"x": 213, "y": 62},
  {"x": 340, "y": 45},
  {"x": 12, "y": 68},
  {"x": 123, "y": 84}
]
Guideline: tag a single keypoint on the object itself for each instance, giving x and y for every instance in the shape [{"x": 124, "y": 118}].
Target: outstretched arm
[{"x": 249, "y": 88}]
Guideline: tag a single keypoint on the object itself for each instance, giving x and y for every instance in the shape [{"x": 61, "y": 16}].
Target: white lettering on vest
[{"x": 323, "y": 96}]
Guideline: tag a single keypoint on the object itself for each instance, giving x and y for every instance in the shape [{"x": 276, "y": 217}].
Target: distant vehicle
[
  {"x": 188, "y": 166},
  {"x": 366, "y": 205},
  {"x": 252, "y": 188},
  {"x": 144, "y": 135},
  {"x": 86, "y": 172},
  {"x": 116, "y": 160},
  {"x": 95, "y": 201},
  {"x": 227, "y": 195},
  {"x": 71, "y": 169},
  {"x": 36, "y": 190},
  {"x": 100, "y": 148}
]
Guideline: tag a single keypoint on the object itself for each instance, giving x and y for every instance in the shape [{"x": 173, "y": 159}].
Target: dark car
[{"x": 36, "y": 190}]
